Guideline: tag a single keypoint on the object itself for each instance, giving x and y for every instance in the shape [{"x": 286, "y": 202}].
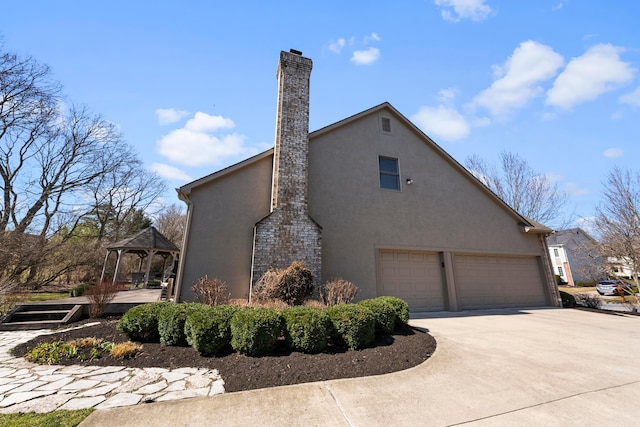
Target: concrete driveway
[{"x": 494, "y": 367}]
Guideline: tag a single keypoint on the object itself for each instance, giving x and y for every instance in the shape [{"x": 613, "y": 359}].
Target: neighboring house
[
  {"x": 621, "y": 268},
  {"x": 370, "y": 199},
  {"x": 560, "y": 264},
  {"x": 574, "y": 256}
]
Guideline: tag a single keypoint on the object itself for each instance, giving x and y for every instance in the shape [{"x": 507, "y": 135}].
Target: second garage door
[
  {"x": 498, "y": 281},
  {"x": 416, "y": 277}
]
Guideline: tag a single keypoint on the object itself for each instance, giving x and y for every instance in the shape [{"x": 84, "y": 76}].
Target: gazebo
[{"x": 146, "y": 244}]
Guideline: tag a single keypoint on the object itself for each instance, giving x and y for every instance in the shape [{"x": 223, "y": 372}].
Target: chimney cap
[{"x": 296, "y": 52}]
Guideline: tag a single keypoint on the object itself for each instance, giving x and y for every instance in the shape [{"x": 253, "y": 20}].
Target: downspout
[{"x": 183, "y": 252}]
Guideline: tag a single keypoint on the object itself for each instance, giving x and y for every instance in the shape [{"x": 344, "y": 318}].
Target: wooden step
[{"x": 33, "y": 316}]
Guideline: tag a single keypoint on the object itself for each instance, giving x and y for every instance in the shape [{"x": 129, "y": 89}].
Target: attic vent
[{"x": 386, "y": 124}]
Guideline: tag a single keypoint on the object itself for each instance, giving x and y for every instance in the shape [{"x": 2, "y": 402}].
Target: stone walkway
[{"x": 29, "y": 387}]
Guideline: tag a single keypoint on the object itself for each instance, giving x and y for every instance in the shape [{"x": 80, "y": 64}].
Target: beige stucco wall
[
  {"x": 440, "y": 211},
  {"x": 220, "y": 236}
]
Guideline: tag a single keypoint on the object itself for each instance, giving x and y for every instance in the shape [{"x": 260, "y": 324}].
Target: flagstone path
[{"x": 29, "y": 387}]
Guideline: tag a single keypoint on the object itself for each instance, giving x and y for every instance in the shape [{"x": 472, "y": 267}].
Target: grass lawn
[
  {"x": 45, "y": 296},
  {"x": 52, "y": 419},
  {"x": 577, "y": 289}
]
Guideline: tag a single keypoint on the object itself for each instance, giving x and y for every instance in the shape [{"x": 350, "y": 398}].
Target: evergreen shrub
[
  {"x": 401, "y": 308},
  {"x": 140, "y": 323},
  {"x": 306, "y": 329},
  {"x": 255, "y": 330},
  {"x": 568, "y": 300},
  {"x": 171, "y": 322},
  {"x": 384, "y": 314},
  {"x": 208, "y": 328},
  {"x": 354, "y": 325}
]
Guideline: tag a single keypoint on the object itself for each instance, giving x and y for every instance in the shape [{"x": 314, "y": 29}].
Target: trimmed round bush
[
  {"x": 255, "y": 330},
  {"x": 306, "y": 329},
  {"x": 171, "y": 323},
  {"x": 384, "y": 314},
  {"x": 208, "y": 328},
  {"x": 401, "y": 308},
  {"x": 140, "y": 323},
  {"x": 568, "y": 300},
  {"x": 354, "y": 325}
]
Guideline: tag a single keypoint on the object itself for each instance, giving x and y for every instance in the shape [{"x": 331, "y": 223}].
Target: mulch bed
[{"x": 404, "y": 349}]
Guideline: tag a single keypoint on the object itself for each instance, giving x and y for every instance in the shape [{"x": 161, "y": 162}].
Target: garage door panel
[
  {"x": 498, "y": 281},
  {"x": 413, "y": 276}
]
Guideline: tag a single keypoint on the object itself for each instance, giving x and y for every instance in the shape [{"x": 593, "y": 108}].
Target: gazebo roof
[{"x": 147, "y": 239}]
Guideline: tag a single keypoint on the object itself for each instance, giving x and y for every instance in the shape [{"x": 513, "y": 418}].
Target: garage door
[
  {"x": 498, "y": 281},
  {"x": 416, "y": 277}
]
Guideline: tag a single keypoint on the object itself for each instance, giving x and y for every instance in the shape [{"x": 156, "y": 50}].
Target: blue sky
[{"x": 192, "y": 85}]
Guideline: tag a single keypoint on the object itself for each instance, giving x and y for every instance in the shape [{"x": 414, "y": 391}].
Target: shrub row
[{"x": 255, "y": 331}]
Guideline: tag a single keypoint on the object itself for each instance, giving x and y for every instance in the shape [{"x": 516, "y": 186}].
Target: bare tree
[
  {"x": 529, "y": 193},
  {"x": 172, "y": 222},
  {"x": 56, "y": 168},
  {"x": 618, "y": 219}
]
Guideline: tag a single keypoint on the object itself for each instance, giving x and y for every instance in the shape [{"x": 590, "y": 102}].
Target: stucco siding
[
  {"x": 442, "y": 210},
  {"x": 220, "y": 240}
]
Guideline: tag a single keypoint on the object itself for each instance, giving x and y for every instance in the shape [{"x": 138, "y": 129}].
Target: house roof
[
  {"x": 149, "y": 238},
  {"x": 561, "y": 237},
  {"x": 527, "y": 224}
]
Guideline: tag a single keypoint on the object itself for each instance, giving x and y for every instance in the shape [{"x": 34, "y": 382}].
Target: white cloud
[
  {"x": 574, "y": 190},
  {"x": 196, "y": 149},
  {"x": 613, "y": 152},
  {"x": 169, "y": 115},
  {"x": 517, "y": 81},
  {"x": 588, "y": 76},
  {"x": 442, "y": 123},
  {"x": 557, "y": 6},
  {"x": 632, "y": 98},
  {"x": 169, "y": 172},
  {"x": 447, "y": 95},
  {"x": 373, "y": 37},
  {"x": 195, "y": 144},
  {"x": 365, "y": 57},
  {"x": 590, "y": 225},
  {"x": 475, "y": 10},
  {"x": 361, "y": 54},
  {"x": 203, "y": 122},
  {"x": 336, "y": 46}
]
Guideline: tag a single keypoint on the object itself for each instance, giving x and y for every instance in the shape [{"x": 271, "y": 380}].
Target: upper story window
[
  {"x": 555, "y": 252},
  {"x": 386, "y": 124},
  {"x": 389, "y": 173}
]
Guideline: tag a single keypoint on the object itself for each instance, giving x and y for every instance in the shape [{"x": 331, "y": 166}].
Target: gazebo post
[
  {"x": 115, "y": 273},
  {"x": 146, "y": 273},
  {"x": 104, "y": 266}
]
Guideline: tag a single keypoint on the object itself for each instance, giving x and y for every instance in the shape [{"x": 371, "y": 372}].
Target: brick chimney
[{"x": 288, "y": 234}]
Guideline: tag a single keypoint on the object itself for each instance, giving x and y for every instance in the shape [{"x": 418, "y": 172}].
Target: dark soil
[{"x": 404, "y": 349}]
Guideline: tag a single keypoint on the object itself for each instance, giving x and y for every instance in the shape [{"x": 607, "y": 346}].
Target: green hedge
[
  {"x": 255, "y": 330},
  {"x": 586, "y": 283},
  {"x": 171, "y": 323},
  {"x": 78, "y": 291},
  {"x": 208, "y": 328},
  {"x": 306, "y": 329},
  {"x": 568, "y": 300},
  {"x": 354, "y": 325},
  {"x": 140, "y": 323},
  {"x": 400, "y": 307},
  {"x": 383, "y": 312}
]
